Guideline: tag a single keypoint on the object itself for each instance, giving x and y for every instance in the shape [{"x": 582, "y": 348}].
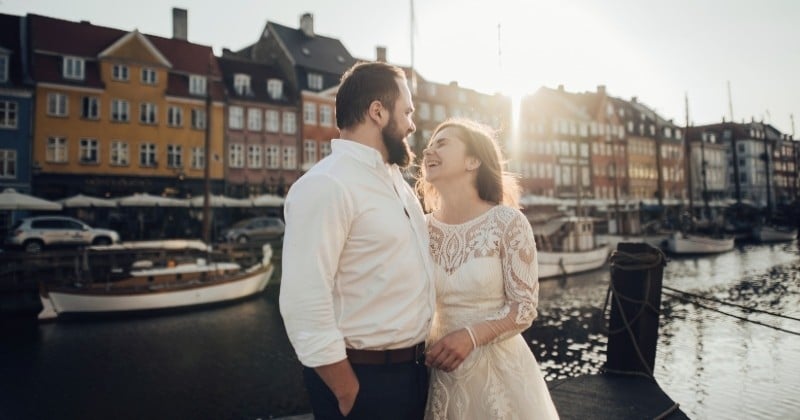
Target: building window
[
  {"x": 8, "y": 163},
  {"x": 275, "y": 88},
  {"x": 439, "y": 113},
  {"x": 289, "y": 157},
  {"x": 120, "y": 110},
  {"x": 424, "y": 111},
  {"x": 174, "y": 156},
  {"x": 147, "y": 155},
  {"x": 289, "y": 122},
  {"x": 198, "y": 119},
  {"x": 149, "y": 76},
  {"x": 57, "y": 105},
  {"x": 325, "y": 116},
  {"x": 147, "y": 113},
  {"x": 241, "y": 84},
  {"x": 254, "y": 119},
  {"x": 197, "y": 85},
  {"x": 56, "y": 150},
  {"x": 324, "y": 149},
  {"x": 309, "y": 151},
  {"x": 3, "y": 68},
  {"x": 120, "y": 156},
  {"x": 315, "y": 81},
  {"x": 89, "y": 151},
  {"x": 175, "y": 116},
  {"x": 90, "y": 107},
  {"x": 74, "y": 68},
  {"x": 273, "y": 156},
  {"x": 119, "y": 72},
  {"x": 273, "y": 120},
  {"x": 198, "y": 158},
  {"x": 8, "y": 114},
  {"x": 431, "y": 88},
  {"x": 254, "y": 156},
  {"x": 236, "y": 117},
  {"x": 236, "y": 156},
  {"x": 310, "y": 113}
]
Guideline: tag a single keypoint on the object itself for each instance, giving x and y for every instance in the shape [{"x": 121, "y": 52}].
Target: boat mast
[
  {"x": 703, "y": 164},
  {"x": 207, "y": 166},
  {"x": 688, "y": 156}
]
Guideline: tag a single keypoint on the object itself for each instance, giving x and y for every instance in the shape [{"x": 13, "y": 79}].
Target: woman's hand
[{"x": 448, "y": 353}]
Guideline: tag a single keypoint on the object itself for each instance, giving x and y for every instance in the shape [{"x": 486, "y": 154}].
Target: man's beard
[{"x": 398, "y": 151}]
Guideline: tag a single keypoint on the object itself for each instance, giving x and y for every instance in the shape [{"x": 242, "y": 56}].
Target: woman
[{"x": 486, "y": 282}]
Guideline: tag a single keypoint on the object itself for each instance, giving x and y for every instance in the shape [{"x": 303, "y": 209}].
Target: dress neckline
[{"x": 468, "y": 222}]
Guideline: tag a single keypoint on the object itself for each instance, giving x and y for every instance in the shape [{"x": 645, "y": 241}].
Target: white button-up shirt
[{"x": 356, "y": 270}]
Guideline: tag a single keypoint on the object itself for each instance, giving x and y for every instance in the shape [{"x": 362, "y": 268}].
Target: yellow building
[{"x": 122, "y": 112}]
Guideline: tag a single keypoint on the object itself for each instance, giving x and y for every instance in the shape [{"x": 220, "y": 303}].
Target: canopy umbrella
[
  {"x": 267, "y": 200},
  {"x": 220, "y": 201},
  {"x": 10, "y": 199},
  {"x": 81, "y": 200},
  {"x": 147, "y": 200}
]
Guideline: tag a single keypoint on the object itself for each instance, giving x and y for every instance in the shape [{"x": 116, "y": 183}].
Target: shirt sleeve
[
  {"x": 520, "y": 281},
  {"x": 318, "y": 213}
]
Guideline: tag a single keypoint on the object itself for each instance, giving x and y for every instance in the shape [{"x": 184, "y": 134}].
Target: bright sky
[{"x": 653, "y": 49}]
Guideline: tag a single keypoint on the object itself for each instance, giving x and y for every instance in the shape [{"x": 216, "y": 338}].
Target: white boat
[
  {"x": 566, "y": 245},
  {"x": 766, "y": 233},
  {"x": 681, "y": 243},
  {"x": 147, "y": 286}
]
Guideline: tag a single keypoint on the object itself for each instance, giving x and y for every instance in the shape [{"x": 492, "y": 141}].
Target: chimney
[
  {"x": 307, "y": 24},
  {"x": 634, "y": 99},
  {"x": 180, "y": 24},
  {"x": 380, "y": 54},
  {"x": 601, "y": 90},
  {"x": 560, "y": 88}
]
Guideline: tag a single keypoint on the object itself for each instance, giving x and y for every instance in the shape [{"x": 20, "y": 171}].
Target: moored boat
[
  {"x": 566, "y": 245},
  {"x": 171, "y": 283},
  {"x": 769, "y": 233},
  {"x": 689, "y": 243}
]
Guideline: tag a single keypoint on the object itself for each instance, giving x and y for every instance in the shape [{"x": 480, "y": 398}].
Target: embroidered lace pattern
[{"x": 487, "y": 279}]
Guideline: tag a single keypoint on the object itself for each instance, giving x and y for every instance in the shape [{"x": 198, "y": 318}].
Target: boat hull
[
  {"x": 695, "y": 244},
  {"x": 552, "y": 264},
  {"x": 83, "y": 302},
  {"x": 771, "y": 234}
]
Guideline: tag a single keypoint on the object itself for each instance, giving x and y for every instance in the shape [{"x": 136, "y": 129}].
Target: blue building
[{"x": 16, "y": 106}]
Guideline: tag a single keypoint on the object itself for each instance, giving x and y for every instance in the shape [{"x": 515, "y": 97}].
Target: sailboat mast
[{"x": 688, "y": 156}]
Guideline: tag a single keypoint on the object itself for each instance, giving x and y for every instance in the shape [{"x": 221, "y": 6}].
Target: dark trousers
[{"x": 386, "y": 392}]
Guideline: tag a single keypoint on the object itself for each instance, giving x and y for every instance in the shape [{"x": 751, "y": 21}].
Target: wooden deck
[{"x": 609, "y": 396}]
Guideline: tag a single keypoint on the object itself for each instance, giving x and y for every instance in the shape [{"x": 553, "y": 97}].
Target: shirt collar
[{"x": 365, "y": 154}]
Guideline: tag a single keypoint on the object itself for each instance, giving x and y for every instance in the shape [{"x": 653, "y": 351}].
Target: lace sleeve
[{"x": 520, "y": 279}]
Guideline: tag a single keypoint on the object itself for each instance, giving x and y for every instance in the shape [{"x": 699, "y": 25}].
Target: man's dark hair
[{"x": 363, "y": 83}]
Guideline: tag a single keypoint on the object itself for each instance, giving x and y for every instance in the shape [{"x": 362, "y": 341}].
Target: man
[{"x": 357, "y": 286}]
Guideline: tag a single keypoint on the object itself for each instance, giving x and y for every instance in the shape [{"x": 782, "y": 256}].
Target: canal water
[{"x": 235, "y": 362}]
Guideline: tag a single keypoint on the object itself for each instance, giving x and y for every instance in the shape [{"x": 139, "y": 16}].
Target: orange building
[
  {"x": 319, "y": 125},
  {"x": 123, "y": 112}
]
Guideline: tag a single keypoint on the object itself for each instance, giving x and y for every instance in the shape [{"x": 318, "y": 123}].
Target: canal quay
[{"x": 728, "y": 348}]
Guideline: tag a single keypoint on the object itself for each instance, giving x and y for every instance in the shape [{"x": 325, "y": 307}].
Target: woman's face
[{"x": 446, "y": 157}]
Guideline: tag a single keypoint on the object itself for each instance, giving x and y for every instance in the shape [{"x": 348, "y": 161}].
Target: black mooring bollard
[{"x": 636, "y": 278}]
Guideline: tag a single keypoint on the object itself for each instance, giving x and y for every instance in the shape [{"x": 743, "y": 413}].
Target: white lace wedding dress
[{"x": 486, "y": 279}]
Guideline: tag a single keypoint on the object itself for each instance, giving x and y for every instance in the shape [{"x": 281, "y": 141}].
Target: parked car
[
  {"x": 256, "y": 229},
  {"x": 34, "y": 233}
]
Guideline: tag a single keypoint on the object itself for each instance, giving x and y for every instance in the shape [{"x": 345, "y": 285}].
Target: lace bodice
[
  {"x": 488, "y": 274},
  {"x": 487, "y": 280}
]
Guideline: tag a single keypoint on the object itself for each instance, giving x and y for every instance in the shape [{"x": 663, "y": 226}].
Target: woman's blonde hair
[{"x": 494, "y": 185}]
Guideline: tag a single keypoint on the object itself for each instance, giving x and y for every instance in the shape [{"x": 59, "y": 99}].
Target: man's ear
[{"x": 376, "y": 111}]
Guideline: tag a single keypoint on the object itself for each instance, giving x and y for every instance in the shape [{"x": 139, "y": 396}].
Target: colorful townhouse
[
  {"x": 785, "y": 158},
  {"x": 708, "y": 163},
  {"x": 261, "y": 128},
  {"x": 122, "y": 112},
  {"x": 16, "y": 106}
]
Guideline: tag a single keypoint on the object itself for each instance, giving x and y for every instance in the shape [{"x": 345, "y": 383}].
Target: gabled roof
[
  {"x": 259, "y": 74},
  {"x": 10, "y": 44},
  {"x": 318, "y": 52},
  {"x": 137, "y": 36},
  {"x": 556, "y": 102},
  {"x": 82, "y": 39}
]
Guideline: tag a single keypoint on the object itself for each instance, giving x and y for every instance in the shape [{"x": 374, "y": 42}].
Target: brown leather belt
[{"x": 387, "y": 357}]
